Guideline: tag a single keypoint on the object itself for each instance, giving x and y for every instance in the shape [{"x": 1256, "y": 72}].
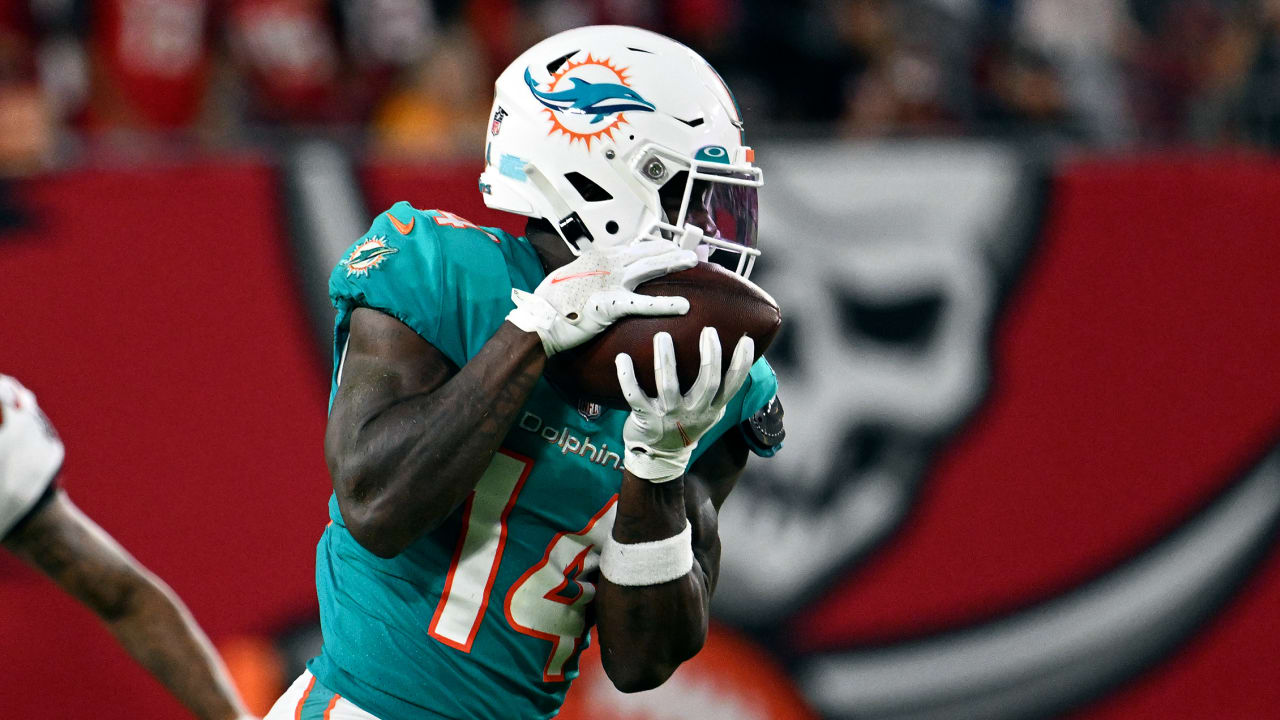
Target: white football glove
[
  {"x": 577, "y": 301},
  {"x": 661, "y": 433},
  {"x": 30, "y": 451}
]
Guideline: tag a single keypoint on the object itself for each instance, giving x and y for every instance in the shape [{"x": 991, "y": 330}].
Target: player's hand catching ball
[
  {"x": 576, "y": 302},
  {"x": 661, "y": 433}
]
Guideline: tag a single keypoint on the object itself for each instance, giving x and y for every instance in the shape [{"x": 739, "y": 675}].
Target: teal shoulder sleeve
[
  {"x": 759, "y": 389},
  {"x": 395, "y": 268},
  {"x": 447, "y": 279},
  {"x": 478, "y": 268}
]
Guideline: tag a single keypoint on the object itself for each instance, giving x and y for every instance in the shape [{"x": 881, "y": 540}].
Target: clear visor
[{"x": 723, "y": 204}]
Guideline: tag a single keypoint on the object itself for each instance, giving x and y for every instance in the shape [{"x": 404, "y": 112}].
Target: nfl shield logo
[
  {"x": 497, "y": 120},
  {"x": 589, "y": 410}
]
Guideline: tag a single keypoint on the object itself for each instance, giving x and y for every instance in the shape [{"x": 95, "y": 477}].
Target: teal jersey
[{"x": 486, "y": 615}]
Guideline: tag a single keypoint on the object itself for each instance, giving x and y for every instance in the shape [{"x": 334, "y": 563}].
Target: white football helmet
[{"x": 588, "y": 125}]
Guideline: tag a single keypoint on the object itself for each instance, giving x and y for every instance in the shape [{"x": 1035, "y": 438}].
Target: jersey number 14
[{"x": 536, "y": 605}]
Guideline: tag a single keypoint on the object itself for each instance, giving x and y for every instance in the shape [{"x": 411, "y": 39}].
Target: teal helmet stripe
[{"x": 713, "y": 153}]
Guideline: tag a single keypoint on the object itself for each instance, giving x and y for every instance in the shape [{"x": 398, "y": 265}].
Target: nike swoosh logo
[
  {"x": 402, "y": 227},
  {"x": 575, "y": 276}
]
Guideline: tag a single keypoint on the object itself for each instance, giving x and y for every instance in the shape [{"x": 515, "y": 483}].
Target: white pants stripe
[{"x": 303, "y": 692}]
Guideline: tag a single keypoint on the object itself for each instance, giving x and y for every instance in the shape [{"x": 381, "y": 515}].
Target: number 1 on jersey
[{"x": 479, "y": 551}]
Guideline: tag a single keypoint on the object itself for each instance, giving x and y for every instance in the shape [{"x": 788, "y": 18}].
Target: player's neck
[{"x": 551, "y": 249}]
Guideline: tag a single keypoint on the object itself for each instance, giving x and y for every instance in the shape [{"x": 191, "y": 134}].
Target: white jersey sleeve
[{"x": 30, "y": 452}]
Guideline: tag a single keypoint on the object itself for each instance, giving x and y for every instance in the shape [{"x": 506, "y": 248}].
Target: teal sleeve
[
  {"x": 394, "y": 272},
  {"x": 446, "y": 279},
  {"x": 760, "y": 387}
]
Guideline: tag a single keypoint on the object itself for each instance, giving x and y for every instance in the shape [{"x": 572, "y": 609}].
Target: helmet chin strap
[
  {"x": 688, "y": 238},
  {"x": 566, "y": 222},
  {"x": 691, "y": 237}
]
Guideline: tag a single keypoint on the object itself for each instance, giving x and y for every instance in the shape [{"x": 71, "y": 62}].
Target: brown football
[{"x": 717, "y": 298}]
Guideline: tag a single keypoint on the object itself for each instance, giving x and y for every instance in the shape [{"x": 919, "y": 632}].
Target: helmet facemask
[{"x": 710, "y": 207}]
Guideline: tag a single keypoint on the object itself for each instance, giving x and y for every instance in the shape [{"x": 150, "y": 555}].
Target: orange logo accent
[
  {"x": 575, "y": 276},
  {"x": 402, "y": 227},
  {"x": 580, "y": 127}
]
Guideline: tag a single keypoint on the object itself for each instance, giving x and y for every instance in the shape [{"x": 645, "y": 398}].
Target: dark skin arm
[
  {"x": 646, "y": 632},
  {"x": 144, "y": 615},
  {"x": 410, "y": 434}
]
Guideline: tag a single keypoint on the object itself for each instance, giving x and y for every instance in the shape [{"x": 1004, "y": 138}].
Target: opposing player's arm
[
  {"x": 410, "y": 433},
  {"x": 646, "y": 632},
  {"x": 144, "y": 615}
]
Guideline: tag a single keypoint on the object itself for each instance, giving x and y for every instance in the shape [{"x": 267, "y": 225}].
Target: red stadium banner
[{"x": 1030, "y": 412}]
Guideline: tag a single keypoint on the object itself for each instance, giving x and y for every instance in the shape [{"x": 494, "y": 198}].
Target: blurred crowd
[{"x": 413, "y": 77}]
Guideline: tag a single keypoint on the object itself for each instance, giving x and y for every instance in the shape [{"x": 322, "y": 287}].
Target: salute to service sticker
[{"x": 368, "y": 255}]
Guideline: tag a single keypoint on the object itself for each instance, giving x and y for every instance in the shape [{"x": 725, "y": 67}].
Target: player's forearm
[
  {"x": 143, "y": 614},
  {"x": 157, "y": 631},
  {"x": 413, "y": 463},
  {"x": 647, "y": 631}
]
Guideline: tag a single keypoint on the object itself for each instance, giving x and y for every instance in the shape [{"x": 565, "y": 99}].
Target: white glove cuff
[
  {"x": 647, "y": 563},
  {"x": 532, "y": 314},
  {"x": 657, "y": 467}
]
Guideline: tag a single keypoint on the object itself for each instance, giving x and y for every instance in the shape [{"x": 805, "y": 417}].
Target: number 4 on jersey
[
  {"x": 543, "y": 602},
  {"x": 549, "y": 601}
]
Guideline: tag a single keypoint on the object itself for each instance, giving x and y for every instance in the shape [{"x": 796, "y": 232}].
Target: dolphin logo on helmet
[{"x": 588, "y": 98}]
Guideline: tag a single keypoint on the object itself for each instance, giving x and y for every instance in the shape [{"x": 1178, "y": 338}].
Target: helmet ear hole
[
  {"x": 611, "y": 227},
  {"x": 588, "y": 189}
]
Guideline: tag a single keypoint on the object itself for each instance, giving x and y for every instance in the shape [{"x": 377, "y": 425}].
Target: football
[{"x": 717, "y": 298}]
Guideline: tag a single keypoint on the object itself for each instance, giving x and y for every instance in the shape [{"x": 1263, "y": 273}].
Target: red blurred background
[
  {"x": 1105, "y": 311},
  {"x": 165, "y": 335}
]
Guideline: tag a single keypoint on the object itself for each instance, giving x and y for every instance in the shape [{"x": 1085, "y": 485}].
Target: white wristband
[{"x": 648, "y": 563}]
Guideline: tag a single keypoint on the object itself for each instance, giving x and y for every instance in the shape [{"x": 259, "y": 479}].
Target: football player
[
  {"x": 482, "y": 520},
  {"x": 39, "y": 524}
]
